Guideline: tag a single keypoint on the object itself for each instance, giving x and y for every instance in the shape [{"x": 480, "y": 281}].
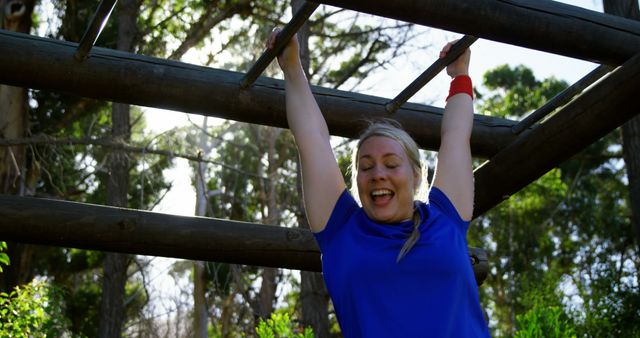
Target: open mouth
[{"x": 381, "y": 196}]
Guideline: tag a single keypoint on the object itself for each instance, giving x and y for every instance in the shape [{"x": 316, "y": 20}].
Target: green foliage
[
  {"x": 32, "y": 310},
  {"x": 543, "y": 321},
  {"x": 611, "y": 314},
  {"x": 4, "y": 258},
  {"x": 219, "y": 275},
  {"x": 281, "y": 326},
  {"x": 514, "y": 92},
  {"x": 546, "y": 315},
  {"x": 573, "y": 222},
  {"x": 83, "y": 306}
]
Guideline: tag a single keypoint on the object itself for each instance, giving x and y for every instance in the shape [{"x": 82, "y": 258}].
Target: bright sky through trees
[{"x": 388, "y": 83}]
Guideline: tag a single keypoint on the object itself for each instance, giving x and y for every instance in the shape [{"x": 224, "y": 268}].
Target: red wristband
[{"x": 461, "y": 84}]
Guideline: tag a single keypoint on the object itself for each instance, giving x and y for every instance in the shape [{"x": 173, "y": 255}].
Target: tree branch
[
  {"x": 205, "y": 23},
  {"x": 105, "y": 142}
]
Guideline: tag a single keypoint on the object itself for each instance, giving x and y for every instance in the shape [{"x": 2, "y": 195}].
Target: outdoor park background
[{"x": 561, "y": 251}]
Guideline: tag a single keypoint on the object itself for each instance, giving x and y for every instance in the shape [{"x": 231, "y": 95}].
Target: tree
[
  {"x": 15, "y": 16},
  {"x": 115, "y": 264},
  {"x": 77, "y": 172},
  {"x": 199, "y": 278},
  {"x": 563, "y": 234},
  {"x": 517, "y": 228},
  {"x": 630, "y": 131},
  {"x": 261, "y": 197}
]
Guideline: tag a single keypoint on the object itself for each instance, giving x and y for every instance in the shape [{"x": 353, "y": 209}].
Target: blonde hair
[{"x": 393, "y": 130}]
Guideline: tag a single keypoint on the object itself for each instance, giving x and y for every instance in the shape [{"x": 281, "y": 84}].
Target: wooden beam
[
  {"x": 436, "y": 67},
  {"x": 99, "y": 20},
  {"x": 282, "y": 39},
  {"x": 40, "y": 63},
  {"x": 544, "y": 25},
  {"x": 562, "y": 98},
  {"x": 594, "y": 114},
  {"x": 87, "y": 226}
]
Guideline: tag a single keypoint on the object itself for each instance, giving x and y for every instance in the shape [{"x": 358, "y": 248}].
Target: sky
[{"x": 388, "y": 83}]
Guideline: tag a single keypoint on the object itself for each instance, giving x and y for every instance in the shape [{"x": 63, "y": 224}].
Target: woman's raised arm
[
  {"x": 454, "y": 172},
  {"x": 322, "y": 182}
]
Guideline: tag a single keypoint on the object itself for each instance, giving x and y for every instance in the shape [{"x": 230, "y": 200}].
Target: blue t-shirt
[{"x": 431, "y": 292}]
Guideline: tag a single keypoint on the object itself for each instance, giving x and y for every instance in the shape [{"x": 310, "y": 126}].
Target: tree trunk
[
  {"x": 631, "y": 129},
  {"x": 113, "y": 291},
  {"x": 226, "y": 316},
  {"x": 199, "y": 281},
  {"x": 13, "y": 111},
  {"x": 267, "y": 294},
  {"x": 14, "y": 16},
  {"x": 115, "y": 265},
  {"x": 200, "y": 318},
  {"x": 313, "y": 293},
  {"x": 112, "y": 309}
]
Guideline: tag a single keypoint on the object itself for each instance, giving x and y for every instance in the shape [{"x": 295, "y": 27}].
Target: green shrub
[
  {"x": 4, "y": 258},
  {"x": 32, "y": 310},
  {"x": 280, "y": 326},
  {"x": 544, "y": 321}
]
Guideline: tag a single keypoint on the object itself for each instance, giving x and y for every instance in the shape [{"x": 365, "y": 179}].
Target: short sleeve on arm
[
  {"x": 438, "y": 199},
  {"x": 342, "y": 211}
]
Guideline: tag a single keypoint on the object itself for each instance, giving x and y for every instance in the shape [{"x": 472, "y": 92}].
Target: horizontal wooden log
[
  {"x": 544, "y": 25},
  {"x": 34, "y": 62},
  {"x": 591, "y": 116},
  {"x": 96, "y": 227}
]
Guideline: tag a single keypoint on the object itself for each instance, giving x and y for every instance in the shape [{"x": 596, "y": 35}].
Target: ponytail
[{"x": 413, "y": 238}]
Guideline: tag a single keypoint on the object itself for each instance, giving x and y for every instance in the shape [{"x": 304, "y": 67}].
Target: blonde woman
[{"x": 394, "y": 267}]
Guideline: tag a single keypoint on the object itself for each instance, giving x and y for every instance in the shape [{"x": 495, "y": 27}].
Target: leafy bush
[
  {"x": 280, "y": 326},
  {"x": 32, "y": 310},
  {"x": 4, "y": 258},
  {"x": 544, "y": 321}
]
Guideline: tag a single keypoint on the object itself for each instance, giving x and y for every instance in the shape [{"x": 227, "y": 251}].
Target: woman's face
[{"x": 386, "y": 181}]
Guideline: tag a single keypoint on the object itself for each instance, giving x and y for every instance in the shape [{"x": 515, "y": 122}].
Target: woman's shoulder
[
  {"x": 345, "y": 207},
  {"x": 439, "y": 200}
]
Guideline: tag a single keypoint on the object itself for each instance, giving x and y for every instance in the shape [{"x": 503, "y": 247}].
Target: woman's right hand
[{"x": 290, "y": 56}]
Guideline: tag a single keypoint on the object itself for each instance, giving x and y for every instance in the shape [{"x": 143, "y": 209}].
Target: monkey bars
[{"x": 518, "y": 152}]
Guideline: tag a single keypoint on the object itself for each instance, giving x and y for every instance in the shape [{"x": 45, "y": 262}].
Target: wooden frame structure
[{"x": 518, "y": 153}]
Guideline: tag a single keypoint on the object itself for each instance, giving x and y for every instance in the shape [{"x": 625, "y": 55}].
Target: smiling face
[{"x": 386, "y": 180}]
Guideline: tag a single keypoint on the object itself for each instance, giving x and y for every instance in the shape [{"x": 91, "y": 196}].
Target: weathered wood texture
[
  {"x": 87, "y": 226},
  {"x": 99, "y": 20},
  {"x": 128, "y": 78},
  {"x": 595, "y": 113},
  {"x": 538, "y": 24}
]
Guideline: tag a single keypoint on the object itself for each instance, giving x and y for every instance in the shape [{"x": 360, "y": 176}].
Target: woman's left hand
[{"x": 459, "y": 66}]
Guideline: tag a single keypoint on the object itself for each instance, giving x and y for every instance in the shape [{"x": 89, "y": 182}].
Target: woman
[{"x": 393, "y": 267}]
